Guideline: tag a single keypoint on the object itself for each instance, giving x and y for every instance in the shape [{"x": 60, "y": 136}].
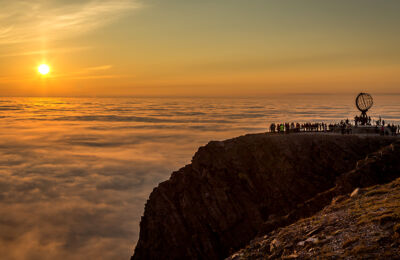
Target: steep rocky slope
[
  {"x": 234, "y": 189},
  {"x": 363, "y": 225}
]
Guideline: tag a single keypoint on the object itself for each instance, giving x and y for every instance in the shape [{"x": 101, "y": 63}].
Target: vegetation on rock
[{"x": 363, "y": 226}]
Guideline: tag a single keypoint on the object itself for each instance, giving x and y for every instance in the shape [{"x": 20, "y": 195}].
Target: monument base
[{"x": 369, "y": 129}]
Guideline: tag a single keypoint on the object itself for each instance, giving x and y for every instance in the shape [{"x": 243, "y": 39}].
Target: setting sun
[{"x": 44, "y": 69}]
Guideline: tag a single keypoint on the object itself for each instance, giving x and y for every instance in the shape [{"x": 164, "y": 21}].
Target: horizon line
[{"x": 196, "y": 96}]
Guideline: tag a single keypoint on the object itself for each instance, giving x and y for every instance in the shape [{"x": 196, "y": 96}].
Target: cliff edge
[{"x": 237, "y": 188}]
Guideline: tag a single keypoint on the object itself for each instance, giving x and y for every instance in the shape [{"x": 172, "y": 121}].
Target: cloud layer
[{"x": 75, "y": 173}]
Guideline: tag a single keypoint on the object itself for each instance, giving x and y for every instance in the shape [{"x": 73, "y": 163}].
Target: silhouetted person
[{"x": 272, "y": 128}]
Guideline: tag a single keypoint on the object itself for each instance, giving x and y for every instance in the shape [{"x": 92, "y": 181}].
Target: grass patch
[
  {"x": 363, "y": 249},
  {"x": 350, "y": 241},
  {"x": 385, "y": 217},
  {"x": 337, "y": 232},
  {"x": 377, "y": 192}
]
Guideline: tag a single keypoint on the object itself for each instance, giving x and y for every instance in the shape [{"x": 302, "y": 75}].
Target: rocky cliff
[
  {"x": 362, "y": 225},
  {"x": 235, "y": 189}
]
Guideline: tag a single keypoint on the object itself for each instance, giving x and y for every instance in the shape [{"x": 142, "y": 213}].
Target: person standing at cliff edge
[{"x": 272, "y": 128}]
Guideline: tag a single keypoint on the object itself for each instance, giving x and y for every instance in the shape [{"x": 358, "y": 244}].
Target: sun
[{"x": 44, "y": 69}]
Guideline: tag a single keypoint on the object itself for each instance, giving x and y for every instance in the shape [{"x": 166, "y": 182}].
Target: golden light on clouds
[{"x": 44, "y": 69}]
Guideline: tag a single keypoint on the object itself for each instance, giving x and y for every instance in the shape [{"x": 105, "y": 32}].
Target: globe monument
[{"x": 364, "y": 102}]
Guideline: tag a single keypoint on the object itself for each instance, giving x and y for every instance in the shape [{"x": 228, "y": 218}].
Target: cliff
[{"x": 238, "y": 188}]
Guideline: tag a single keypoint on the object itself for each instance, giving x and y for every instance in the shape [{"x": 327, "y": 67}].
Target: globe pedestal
[
  {"x": 364, "y": 119},
  {"x": 366, "y": 129}
]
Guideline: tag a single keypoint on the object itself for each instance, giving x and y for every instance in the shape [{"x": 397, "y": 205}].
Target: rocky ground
[{"x": 365, "y": 224}]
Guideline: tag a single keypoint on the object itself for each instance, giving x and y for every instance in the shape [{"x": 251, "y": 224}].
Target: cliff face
[{"x": 220, "y": 201}]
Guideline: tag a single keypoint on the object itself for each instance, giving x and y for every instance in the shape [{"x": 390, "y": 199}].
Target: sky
[{"x": 198, "y": 48}]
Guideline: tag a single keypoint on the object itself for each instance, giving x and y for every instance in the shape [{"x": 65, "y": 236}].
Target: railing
[{"x": 334, "y": 128}]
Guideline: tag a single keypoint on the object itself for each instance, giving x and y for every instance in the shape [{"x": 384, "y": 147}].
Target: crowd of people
[
  {"x": 297, "y": 127},
  {"x": 362, "y": 120},
  {"x": 344, "y": 127},
  {"x": 394, "y": 129}
]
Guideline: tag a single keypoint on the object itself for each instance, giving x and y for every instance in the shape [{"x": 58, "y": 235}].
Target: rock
[
  {"x": 274, "y": 245},
  {"x": 301, "y": 243},
  {"x": 246, "y": 180},
  {"x": 328, "y": 237},
  {"x": 235, "y": 256},
  {"x": 290, "y": 256},
  {"x": 313, "y": 240},
  {"x": 355, "y": 193}
]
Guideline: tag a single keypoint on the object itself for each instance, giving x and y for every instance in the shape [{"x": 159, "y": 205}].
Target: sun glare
[{"x": 44, "y": 69}]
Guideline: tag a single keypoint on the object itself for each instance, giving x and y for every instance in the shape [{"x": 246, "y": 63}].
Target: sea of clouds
[{"x": 75, "y": 173}]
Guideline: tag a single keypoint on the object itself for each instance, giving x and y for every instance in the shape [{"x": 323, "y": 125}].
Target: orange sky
[{"x": 198, "y": 48}]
